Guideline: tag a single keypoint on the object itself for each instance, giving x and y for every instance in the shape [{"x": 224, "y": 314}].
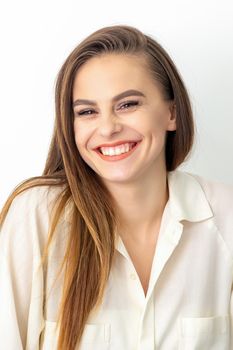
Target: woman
[{"x": 113, "y": 247}]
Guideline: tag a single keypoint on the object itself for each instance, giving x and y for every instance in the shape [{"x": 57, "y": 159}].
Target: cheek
[
  {"x": 160, "y": 122},
  {"x": 155, "y": 124},
  {"x": 80, "y": 135}
]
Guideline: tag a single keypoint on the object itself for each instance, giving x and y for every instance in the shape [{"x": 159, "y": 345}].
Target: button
[{"x": 133, "y": 276}]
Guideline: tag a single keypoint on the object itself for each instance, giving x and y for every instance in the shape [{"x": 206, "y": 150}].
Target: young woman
[{"x": 113, "y": 247}]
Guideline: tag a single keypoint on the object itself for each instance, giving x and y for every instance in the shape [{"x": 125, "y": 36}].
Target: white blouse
[{"x": 188, "y": 304}]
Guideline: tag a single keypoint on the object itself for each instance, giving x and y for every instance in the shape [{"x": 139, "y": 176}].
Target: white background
[{"x": 37, "y": 36}]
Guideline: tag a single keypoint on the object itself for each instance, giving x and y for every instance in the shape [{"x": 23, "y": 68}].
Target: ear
[{"x": 171, "y": 124}]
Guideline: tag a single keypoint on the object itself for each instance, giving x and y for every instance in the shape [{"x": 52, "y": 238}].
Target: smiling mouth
[{"x": 120, "y": 156}]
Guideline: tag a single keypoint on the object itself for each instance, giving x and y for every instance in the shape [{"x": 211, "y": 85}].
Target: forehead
[{"x": 113, "y": 71}]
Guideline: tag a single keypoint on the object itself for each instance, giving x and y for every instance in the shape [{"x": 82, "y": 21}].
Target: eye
[
  {"x": 126, "y": 105},
  {"x": 86, "y": 112},
  {"x": 129, "y": 104}
]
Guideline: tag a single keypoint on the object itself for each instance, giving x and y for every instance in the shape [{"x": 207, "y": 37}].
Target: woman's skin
[{"x": 138, "y": 182}]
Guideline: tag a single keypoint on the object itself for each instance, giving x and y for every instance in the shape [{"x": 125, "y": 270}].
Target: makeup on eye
[{"x": 131, "y": 103}]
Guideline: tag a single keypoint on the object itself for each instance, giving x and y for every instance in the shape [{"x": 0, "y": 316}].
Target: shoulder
[
  {"x": 34, "y": 199},
  {"x": 220, "y": 198},
  {"x": 217, "y": 193},
  {"x": 27, "y": 221},
  {"x": 30, "y": 210}
]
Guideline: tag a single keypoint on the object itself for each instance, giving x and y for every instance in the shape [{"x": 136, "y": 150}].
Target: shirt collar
[
  {"x": 187, "y": 201},
  {"x": 187, "y": 198}
]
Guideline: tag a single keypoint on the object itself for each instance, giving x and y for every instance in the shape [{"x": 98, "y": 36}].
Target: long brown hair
[{"x": 90, "y": 245}]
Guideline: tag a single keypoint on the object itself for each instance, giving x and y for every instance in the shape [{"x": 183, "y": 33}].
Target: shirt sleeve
[{"x": 21, "y": 280}]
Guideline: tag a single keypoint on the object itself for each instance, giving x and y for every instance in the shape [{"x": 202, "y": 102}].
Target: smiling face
[{"x": 142, "y": 116}]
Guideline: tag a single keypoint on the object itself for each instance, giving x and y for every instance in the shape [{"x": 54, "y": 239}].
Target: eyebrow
[{"x": 114, "y": 99}]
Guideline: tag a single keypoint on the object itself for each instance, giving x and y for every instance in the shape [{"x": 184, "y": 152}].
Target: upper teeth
[{"x": 112, "y": 151}]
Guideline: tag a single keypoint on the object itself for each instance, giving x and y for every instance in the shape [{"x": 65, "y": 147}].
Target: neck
[{"x": 140, "y": 206}]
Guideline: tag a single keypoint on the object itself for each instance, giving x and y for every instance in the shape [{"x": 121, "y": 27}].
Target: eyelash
[{"x": 131, "y": 103}]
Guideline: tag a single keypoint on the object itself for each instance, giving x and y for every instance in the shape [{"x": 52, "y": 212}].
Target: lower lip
[{"x": 119, "y": 156}]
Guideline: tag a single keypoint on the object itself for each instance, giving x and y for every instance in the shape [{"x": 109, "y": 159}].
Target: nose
[{"x": 108, "y": 125}]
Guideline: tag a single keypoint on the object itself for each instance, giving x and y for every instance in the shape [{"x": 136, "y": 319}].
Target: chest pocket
[
  {"x": 95, "y": 336},
  {"x": 201, "y": 333}
]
